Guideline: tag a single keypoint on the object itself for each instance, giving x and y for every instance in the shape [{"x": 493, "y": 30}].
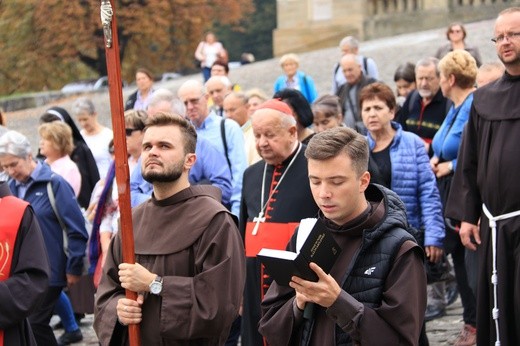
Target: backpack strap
[
  {"x": 52, "y": 200},
  {"x": 306, "y": 87},
  {"x": 224, "y": 141},
  {"x": 336, "y": 69}
]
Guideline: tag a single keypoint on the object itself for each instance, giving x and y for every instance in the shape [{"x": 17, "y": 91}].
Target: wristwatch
[
  {"x": 156, "y": 285},
  {"x": 450, "y": 166}
]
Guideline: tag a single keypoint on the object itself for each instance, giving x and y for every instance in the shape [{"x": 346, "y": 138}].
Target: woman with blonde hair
[
  {"x": 292, "y": 78},
  {"x": 458, "y": 72},
  {"x": 56, "y": 145},
  {"x": 81, "y": 154}
]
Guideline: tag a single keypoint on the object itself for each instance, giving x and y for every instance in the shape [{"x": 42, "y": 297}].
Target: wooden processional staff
[{"x": 108, "y": 19}]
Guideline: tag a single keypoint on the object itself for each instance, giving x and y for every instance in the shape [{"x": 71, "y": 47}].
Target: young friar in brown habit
[{"x": 190, "y": 265}]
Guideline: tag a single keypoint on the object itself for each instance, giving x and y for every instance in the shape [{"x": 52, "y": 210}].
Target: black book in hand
[{"x": 315, "y": 244}]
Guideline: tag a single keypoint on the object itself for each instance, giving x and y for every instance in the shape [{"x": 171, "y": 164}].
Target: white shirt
[{"x": 98, "y": 145}]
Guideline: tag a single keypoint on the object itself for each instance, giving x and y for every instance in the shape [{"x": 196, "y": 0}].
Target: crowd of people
[{"x": 408, "y": 182}]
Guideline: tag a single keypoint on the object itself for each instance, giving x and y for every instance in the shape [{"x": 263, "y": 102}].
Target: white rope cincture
[
  {"x": 106, "y": 20},
  {"x": 494, "y": 274}
]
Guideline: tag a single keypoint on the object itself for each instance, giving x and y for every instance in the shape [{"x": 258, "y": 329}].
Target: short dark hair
[
  {"x": 48, "y": 118},
  {"x": 145, "y": 71},
  {"x": 405, "y": 72},
  {"x": 187, "y": 129},
  {"x": 298, "y": 103},
  {"x": 380, "y": 91},
  {"x": 450, "y": 27},
  {"x": 220, "y": 62},
  {"x": 330, "y": 143},
  {"x": 328, "y": 105}
]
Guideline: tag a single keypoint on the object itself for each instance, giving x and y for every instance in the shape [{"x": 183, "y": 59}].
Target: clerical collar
[
  {"x": 289, "y": 158},
  {"x": 263, "y": 202}
]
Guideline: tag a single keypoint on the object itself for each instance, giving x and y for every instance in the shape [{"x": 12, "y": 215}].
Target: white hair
[
  {"x": 83, "y": 105},
  {"x": 14, "y": 143}
]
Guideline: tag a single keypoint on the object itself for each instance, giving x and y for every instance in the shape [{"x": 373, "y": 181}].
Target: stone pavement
[{"x": 388, "y": 54}]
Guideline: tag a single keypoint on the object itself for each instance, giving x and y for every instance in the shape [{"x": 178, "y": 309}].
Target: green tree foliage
[
  {"x": 46, "y": 43},
  {"x": 254, "y": 34}
]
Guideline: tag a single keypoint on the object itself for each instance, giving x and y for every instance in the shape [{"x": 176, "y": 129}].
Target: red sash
[
  {"x": 271, "y": 235},
  {"x": 11, "y": 213}
]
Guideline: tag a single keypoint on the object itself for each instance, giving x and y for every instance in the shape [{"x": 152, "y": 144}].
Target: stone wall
[
  {"x": 32, "y": 100},
  {"x": 305, "y": 25}
]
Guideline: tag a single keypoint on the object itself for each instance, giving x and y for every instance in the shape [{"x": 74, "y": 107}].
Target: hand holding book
[
  {"x": 317, "y": 245},
  {"x": 324, "y": 292}
]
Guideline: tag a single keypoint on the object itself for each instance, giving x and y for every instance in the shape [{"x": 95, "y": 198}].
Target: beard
[
  {"x": 424, "y": 93},
  {"x": 169, "y": 175}
]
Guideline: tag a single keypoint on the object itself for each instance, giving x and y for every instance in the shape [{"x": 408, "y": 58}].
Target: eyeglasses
[
  {"x": 130, "y": 131},
  {"x": 509, "y": 36},
  {"x": 192, "y": 101}
]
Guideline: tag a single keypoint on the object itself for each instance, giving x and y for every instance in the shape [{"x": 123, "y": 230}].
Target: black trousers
[
  {"x": 469, "y": 302},
  {"x": 471, "y": 259},
  {"x": 234, "y": 333},
  {"x": 40, "y": 319},
  {"x": 423, "y": 338}
]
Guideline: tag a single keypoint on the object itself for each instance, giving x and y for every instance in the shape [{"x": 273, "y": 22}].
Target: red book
[{"x": 270, "y": 235}]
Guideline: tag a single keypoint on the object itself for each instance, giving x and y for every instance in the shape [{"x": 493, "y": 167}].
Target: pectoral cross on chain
[{"x": 258, "y": 219}]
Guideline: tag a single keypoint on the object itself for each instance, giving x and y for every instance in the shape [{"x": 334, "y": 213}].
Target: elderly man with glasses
[
  {"x": 226, "y": 136},
  {"x": 208, "y": 168}
]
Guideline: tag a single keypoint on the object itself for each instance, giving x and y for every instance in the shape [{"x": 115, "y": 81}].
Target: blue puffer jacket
[
  {"x": 71, "y": 215},
  {"x": 413, "y": 180}
]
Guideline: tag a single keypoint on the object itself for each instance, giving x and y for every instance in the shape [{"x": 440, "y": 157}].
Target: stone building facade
[{"x": 304, "y": 25}]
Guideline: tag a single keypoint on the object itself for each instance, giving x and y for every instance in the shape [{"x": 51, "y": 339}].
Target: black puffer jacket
[{"x": 365, "y": 278}]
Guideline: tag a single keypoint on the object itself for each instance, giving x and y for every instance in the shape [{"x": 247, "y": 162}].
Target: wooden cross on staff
[{"x": 108, "y": 19}]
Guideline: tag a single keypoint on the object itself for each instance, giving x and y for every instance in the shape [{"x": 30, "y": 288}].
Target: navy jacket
[{"x": 71, "y": 215}]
